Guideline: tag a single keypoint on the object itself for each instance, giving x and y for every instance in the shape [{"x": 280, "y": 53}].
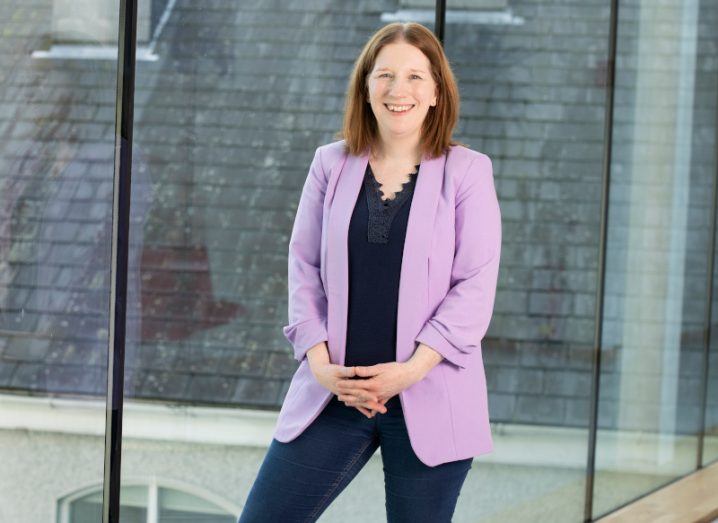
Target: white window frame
[
  {"x": 78, "y": 51},
  {"x": 477, "y": 12},
  {"x": 456, "y": 4},
  {"x": 153, "y": 485}
]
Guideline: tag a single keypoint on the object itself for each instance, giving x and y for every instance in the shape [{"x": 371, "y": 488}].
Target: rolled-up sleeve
[
  {"x": 463, "y": 316},
  {"x": 307, "y": 302}
]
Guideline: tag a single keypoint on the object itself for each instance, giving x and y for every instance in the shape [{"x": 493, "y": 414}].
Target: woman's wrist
[
  {"x": 318, "y": 354},
  {"x": 423, "y": 360}
]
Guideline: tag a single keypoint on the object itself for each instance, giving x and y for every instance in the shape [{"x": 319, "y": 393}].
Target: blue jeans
[{"x": 298, "y": 480}]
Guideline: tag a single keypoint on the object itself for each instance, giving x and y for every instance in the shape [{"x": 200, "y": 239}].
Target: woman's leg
[
  {"x": 299, "y": 479},
  {"x": 415, "y": 492}
]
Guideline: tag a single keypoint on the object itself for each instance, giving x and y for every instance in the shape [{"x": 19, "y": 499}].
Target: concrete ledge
[
  {"x": 692, "y": 499},
  {"x": 454, "y": 16},
  {"x": 519, "y": 444},
  {"x": 90, "y": 52}
]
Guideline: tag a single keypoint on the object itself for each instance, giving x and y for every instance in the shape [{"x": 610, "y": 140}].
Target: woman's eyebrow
[{"x": 388, "y": 69}]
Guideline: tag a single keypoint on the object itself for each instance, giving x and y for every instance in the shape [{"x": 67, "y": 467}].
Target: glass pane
[
  {"x": 57, "y": 111},
  {"x": 709, "y": 150},
  {"x": 710, "y": 442},
  {"x": 533, "y": 88},
  {"x": 229, "y": 111},
  {"x": 662, "y": 177},
  {"x": 206, "y": 360},
  {"x": 181, "y": 506},
  {"x": 88, "y": 509}
]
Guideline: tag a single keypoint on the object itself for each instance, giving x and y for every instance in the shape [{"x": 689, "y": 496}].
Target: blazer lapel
[
  {"x": 414, "y": 282},
  {"x": 413, "y": 285}
]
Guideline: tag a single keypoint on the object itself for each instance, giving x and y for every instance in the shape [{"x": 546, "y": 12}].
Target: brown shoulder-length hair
[{"x": 359, "y": 129}]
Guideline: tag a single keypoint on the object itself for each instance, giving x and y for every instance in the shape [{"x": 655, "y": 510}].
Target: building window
[
  {"x": 148, "y": 503},
  {"x": 480, "y": 12},
  {"x": 87, "y": 29},
  {"x": 455, "y": 4}
]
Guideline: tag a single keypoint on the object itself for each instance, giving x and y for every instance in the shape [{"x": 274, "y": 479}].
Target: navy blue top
[{"x": 376, "y": 244}]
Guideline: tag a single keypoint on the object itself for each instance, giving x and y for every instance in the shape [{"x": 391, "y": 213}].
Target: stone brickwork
[{"x": 226, "y": 122}]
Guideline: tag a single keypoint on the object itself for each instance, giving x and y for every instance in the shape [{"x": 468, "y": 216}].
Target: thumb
[{"x": 366, "y": 371}]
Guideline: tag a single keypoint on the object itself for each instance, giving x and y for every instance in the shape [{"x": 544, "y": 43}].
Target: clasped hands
[{"x": 367, "y": 388}]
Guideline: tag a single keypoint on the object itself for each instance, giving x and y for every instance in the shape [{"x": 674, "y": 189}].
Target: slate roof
[{"x": 226, "y": 122}]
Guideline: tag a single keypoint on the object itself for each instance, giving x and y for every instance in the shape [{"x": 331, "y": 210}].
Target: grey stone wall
[{"x": 226, "y": 122}]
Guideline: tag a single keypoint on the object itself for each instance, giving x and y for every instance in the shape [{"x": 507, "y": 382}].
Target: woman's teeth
[{"x": 398, "y": 108}]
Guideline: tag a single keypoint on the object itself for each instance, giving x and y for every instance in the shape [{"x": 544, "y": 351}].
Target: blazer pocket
[{"x": 442, "y": 370}]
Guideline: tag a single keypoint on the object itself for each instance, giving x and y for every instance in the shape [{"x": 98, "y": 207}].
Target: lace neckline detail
[
  {"x": 382, "y": 212},
  {"x": 397, "y": 195}
]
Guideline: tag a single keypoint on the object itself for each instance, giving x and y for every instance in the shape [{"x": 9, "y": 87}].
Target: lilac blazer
[{"x": 446, "y": 294}]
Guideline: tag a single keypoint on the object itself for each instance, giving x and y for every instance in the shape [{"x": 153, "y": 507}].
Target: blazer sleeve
[
  {"x": 462, "y": 318},
  {"x": 307, "y": 302}
]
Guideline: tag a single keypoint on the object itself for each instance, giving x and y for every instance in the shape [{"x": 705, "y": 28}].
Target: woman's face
[{"x": 401, "y": 77}]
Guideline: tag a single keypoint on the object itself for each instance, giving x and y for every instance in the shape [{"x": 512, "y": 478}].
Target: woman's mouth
[{"x": 398, "y": 110}]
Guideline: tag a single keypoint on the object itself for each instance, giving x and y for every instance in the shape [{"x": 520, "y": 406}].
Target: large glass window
[
  {"x": 662, "y": 178},
  {"x": 230, "y": 102},
  {"x": 56, "y": 172},
  {"x": 148, "y": 503},
  {"x": 533, "y": 95}
]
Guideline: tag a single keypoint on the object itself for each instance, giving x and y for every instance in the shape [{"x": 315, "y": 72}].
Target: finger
[
  {"x": 364, "y": 411},
  {"x": 363, "y": 395},
  {"x": 375, "y": 406},
  {"x": 364, "y": 408},
  {"x": 353, "y": 401},
  {"x": 352, "y": 382},
  {"x": 372, "y": 406},
  {"x": 370, "y": 370},
  {"x": 349, "y": 399},
  {"x": 371, "y": 402},
  {"x": 354, "y": 385}
]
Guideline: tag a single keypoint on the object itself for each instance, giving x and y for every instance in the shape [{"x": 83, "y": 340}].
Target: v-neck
[
  {"x": 382, "y": 212},
  {"x": 397, "y": 196}
]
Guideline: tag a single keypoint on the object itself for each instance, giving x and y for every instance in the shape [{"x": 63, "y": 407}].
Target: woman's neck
[{"x": 396, "y": 153}]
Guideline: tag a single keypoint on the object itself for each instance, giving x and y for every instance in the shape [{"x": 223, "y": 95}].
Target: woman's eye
[{"x": 387, "y": 74}]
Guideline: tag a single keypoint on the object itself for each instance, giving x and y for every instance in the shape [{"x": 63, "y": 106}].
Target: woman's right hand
[{"x": 329, "y": 374}]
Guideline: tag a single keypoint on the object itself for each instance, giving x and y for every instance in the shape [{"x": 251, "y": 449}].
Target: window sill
[
  {"x": 455, "y": 16},
  {"x": 91, "y": 52}
]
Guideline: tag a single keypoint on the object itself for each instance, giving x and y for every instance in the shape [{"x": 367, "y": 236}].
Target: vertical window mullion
[
  {"x": 124, "y": 102},
  {"x": 440, "y": 20},
  {"x": 602, "y": 247},
  {"x": 153, "y": 502}
]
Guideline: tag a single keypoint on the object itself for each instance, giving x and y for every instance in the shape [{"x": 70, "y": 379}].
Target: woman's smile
[{"x": 398, "y": 110}]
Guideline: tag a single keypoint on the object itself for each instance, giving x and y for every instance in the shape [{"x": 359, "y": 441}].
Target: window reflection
[{"x": 169, "y": 505}]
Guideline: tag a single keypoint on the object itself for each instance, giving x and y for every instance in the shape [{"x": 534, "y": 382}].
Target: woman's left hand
[{"x": 381, "y": 381}]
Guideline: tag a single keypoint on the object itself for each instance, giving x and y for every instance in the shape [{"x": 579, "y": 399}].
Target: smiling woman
[
  {"x": 389, "y": 352},
  {"x": 402, "y": 64},
  {"x": 401, "y": 85}
]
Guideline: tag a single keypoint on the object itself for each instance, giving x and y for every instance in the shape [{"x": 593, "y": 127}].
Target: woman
[{"x": 393, "y": 263}]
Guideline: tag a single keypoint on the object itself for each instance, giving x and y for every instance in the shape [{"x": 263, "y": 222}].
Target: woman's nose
[{"x": 397, "y": 88}]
